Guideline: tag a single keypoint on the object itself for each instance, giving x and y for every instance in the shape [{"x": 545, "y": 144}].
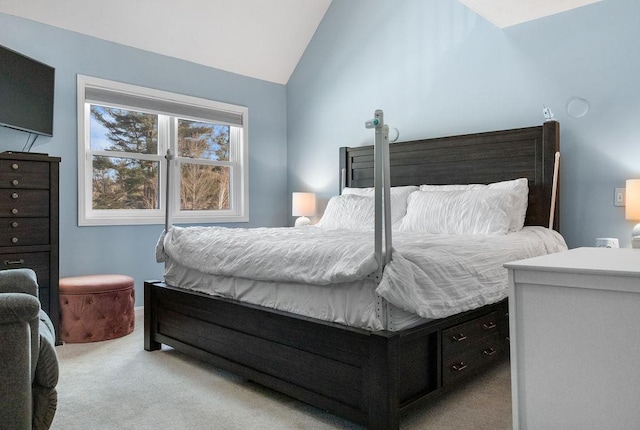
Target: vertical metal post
[
  {"x": 378, "y": 183},
  {"x": 169, "y": 190},
  {"x": 381, "y": 172},
  {"x": 387, "y": 194}
]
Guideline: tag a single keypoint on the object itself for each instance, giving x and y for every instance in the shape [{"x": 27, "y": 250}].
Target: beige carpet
[{"x": 116, "y": 384}]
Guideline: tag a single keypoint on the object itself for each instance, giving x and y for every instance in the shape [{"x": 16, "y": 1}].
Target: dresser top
[
  {"x": 27, "y": 156},
  {"x": 595, "y": 261}
]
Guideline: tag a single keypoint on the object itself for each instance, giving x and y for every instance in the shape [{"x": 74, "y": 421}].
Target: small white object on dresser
[{"x": 574, "y": 329}]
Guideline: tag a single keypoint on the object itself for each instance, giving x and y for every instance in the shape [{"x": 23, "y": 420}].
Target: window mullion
[{"x": 166, "y": 131}]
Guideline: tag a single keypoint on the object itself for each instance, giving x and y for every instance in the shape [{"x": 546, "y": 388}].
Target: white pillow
[
  {"x": 398, "y": 196},
  {"x": 519, "y": 189},
  {"x": 348, "y": 211},
  {"x": 463, "y": 212}
]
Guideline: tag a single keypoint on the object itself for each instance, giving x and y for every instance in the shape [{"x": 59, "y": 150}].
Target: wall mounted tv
[{"x": 26, "y": 93}]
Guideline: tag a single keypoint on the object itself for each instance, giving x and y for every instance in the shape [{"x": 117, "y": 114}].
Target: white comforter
[{"x": 433, "y": 276}]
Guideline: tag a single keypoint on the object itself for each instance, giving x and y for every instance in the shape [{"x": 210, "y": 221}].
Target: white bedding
[
  {"x": 433, "y": 276},
  {"x": 354, "y": 304},
  {"x": 440, "y": 275}
]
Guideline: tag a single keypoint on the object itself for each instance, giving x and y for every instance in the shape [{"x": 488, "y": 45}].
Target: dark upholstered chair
[{"x": 28, "y": 361}]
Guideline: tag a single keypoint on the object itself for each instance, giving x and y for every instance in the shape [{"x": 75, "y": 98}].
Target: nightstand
[{"x": 575, "y": 339}]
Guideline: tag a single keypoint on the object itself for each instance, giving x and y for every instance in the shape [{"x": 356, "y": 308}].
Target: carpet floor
[{"x": 116, "y": 384}]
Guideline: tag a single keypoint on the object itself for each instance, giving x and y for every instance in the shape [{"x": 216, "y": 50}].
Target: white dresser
[{"x": 575, "y": 340}]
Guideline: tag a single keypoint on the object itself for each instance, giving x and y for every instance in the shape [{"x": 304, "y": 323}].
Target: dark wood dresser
[{"x": 29, "y": 220}]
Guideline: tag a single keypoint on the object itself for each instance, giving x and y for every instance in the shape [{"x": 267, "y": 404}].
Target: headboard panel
[{"x": 471, "y": 158}]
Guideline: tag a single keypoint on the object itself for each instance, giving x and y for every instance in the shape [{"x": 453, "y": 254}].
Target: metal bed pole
[
  {"x": 169, "y": 189},
  {"x": 382, "y": 193}
]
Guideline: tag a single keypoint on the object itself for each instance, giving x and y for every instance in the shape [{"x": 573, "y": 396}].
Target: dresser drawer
[
  {"x": 24, "y": 231},
  {"x": 24, "y": 203},
  {"x": 460, "y": 337},
  {"x": 24, "y": 174},
  {"x": 474, "y": 357},
  {"x": 38, "y": 261}
]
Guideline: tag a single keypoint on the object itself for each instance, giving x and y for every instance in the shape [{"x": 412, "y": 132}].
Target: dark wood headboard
[{"x": 479, "y": 158}]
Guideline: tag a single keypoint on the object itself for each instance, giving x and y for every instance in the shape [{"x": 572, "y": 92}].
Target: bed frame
[{"x": 366, "y": 377}]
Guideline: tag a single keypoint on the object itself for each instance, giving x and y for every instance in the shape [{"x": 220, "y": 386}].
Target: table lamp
[
  {"x": 303, "y": 205},
  {"x": 632, "y": 209}
]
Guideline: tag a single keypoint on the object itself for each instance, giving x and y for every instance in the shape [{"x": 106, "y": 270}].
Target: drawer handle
[
  {"x": 15, "y": 166},
  {"x": 490, "y": 325},
  {"x": 14, "y": 240},
  {"x": 14, "y": 196},
  {"x": 14, "y": 211},
  {"x": 489, "y": 352},
  {"x": 459, "y": 367},
  {"x": 458, "y": 337},
  {"x": 13, "y": 262},
  {"x": 15, "y": 182},
  {"x": 14, "y": 224}
]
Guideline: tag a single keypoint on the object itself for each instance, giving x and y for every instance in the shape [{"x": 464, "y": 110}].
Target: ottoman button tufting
[{"x": 111, "y": 312}]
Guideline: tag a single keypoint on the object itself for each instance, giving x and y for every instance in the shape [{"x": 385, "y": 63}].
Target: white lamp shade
[
  {"x": 303, "y": 204},
  {"x": 632, "y": 200}
]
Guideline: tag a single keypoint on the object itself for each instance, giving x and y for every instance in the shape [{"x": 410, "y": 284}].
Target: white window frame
[{"x": 167, "y": 136}]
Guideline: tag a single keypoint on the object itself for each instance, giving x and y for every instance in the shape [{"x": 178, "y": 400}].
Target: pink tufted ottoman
[{"x": 96, "y": 307}]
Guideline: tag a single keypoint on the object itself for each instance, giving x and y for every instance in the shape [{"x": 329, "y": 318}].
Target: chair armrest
[
  {"x": 19, "y": 281},
  {"x": 18, "y": 307},
  {"x": 19, "y": 355}
]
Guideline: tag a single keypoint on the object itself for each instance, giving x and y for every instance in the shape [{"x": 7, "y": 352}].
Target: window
[{"x": 124, "y": 134}]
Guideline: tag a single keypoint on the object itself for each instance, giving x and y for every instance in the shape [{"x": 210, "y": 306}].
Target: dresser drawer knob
[
  {"x": 14, "y": 211},
  {"x": 14, "y": 224},
  {"x": 13, "y": 262},
  {"x": 14, "y": 240},
  {"x": 15, "y": 166},
  {"x": 15, "y": 182},
  {"x": 458, "y": 367},
  {"x": 14, "y": 196},
  {"x": 488, "y": 326},
  {"x": 458, "y": 337},
  {"x": 489, "y": 352}
]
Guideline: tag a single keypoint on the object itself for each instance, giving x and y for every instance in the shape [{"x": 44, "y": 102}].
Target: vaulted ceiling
[{"x": 262, "y": 39}]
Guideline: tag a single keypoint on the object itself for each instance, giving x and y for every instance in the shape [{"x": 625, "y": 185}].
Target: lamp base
[
  {"x": 635, "y": 237},
  {"x": 302, "y": 221}
]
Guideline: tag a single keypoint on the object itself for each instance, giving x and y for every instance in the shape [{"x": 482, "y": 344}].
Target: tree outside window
[{"x": 203, "y": 186}]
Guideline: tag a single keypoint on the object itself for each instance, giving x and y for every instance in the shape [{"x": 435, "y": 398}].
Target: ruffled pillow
[
  {"x": 348, "y": 211},
  {"x": 518, "y": 188},
  {"x": 462, "y": 212},
  {"x": 398, "y": 197}
]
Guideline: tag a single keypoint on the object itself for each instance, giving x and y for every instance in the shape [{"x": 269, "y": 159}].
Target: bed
[{"x": 368, "y": 375}]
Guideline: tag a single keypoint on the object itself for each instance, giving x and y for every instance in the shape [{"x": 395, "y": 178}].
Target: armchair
[{"x": 29, "y": 371}]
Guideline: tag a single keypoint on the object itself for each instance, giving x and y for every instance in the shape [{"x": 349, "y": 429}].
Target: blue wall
[
  {"x": 130, "y": 249},
  {"x": 437, "y": 68}
]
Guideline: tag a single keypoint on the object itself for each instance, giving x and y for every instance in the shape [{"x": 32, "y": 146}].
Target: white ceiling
[
  {"x": 505, "y": 13},
  {"x": 262, "y": 39}
]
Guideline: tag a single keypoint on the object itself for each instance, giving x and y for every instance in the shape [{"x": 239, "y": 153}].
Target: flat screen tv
[{"x": 26, "y": 93}]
